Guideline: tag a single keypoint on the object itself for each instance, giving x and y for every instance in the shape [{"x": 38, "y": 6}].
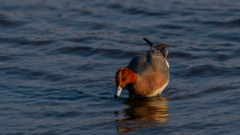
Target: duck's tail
[
  {"x": 149, "y": 42},
  {"x": 161, "y": 48}
]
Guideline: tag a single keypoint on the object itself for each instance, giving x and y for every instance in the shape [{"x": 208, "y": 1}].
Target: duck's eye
[{"x": 124, "y": 78}]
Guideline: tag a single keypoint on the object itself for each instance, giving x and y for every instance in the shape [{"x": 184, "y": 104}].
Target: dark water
[{"x": 58, "y": 59}]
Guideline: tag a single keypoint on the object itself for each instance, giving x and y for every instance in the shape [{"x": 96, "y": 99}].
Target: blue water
[{"x": 58, "y": 60}]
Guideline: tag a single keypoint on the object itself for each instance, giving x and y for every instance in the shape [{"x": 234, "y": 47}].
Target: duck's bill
[{"x": 117, "y": 92}]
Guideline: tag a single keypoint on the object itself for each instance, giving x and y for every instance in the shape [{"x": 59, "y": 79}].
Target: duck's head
[{"x": 123, "y": 77}]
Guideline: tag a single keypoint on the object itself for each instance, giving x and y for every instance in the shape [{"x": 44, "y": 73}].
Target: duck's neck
[{"x": 131, "y": 76}]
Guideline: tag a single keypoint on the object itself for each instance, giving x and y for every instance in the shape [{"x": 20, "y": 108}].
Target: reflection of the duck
[{"x": 144, "y": 113}]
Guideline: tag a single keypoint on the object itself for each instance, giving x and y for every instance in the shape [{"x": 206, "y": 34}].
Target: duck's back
[{"x": 148, "y": 63}]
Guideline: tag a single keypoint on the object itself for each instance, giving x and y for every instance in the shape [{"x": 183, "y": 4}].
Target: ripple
[
  {"x": 115, "y": 6},
  {"x": 209, "y": 71},
  {"x": 221, "y": 57},
  {"x": 116, "y": 53},
  {"x": 93, "y": 25},
  {"x": 83, "y": 51},
  {"x": 237, "y": 52},
  {"x": 22, "y": 72},
  {"x": 6, "y": 23},
  {"x": 24, "y": 41},
  {"x": 223, "y": 36},
  {"x": 170, "y": 26},
  {"x": 54, "y": 77},
  {"x": 151, "y": 13},
  {"x": 178, "y": 96},
  {"x": 5, "y": 58},
  {"x": 30, "y": 74},
  {"x": 180, "y": 54},
  {"x": 203, "y": 70},
  {"x": 69, "y": 114},
  {"x": 85, "y": 39},
  {"x": 90, "y": 51},
  {"x": 133, "y": 11},
  {"x": 232, "y": 23},
  {"x": 36, "y": 43}
]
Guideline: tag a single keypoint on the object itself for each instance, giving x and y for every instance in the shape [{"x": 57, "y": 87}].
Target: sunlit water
[{"x": 58, "y": 59}]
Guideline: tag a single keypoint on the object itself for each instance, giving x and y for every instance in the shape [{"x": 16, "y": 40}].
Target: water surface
[{"x": 58, "y": 60}]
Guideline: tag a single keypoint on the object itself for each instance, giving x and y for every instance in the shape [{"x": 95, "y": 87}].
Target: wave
[{"x": 91, "y": 51}]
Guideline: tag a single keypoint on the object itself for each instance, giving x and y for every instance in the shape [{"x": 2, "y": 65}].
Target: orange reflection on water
[{"x": 144, "y": 113}]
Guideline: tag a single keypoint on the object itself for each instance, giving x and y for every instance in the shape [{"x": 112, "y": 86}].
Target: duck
[{"x": 147, "y": 74}]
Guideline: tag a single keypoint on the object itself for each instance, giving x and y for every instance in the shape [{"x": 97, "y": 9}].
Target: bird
[{"x": 146, "y": 75}]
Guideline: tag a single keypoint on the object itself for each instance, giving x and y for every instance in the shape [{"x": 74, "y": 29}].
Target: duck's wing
[
  {"x": 160, "y": 63},
  {"x": 140, "y": 64}
]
